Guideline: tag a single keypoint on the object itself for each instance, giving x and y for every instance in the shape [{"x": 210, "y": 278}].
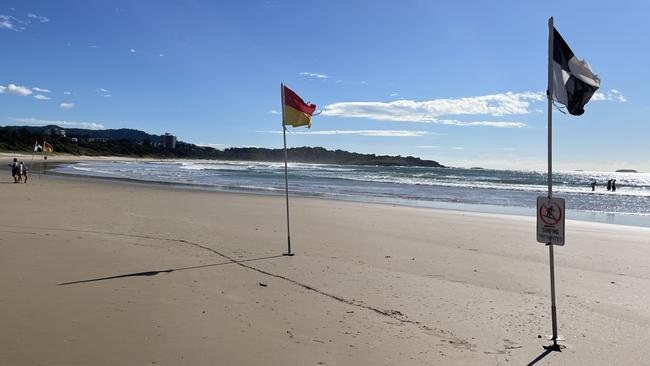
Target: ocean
[{"x": 480, "y": 190}]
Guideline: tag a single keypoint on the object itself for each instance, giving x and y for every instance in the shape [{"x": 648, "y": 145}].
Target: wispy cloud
[
  {"x": 371, "y": 133},
  {"x": 613, "y": 96},
  {"x": 71, "y": 124},
  {"x": 497, "y": 124},
  {"x": 428, "y": 147},
  {"x": 431, "y": 110},
  {"x": 161, "y": 55},
  {"x": 273, "y": 111},
  {"x": 15, "y": 24},
  {"x": 67, "y": 93},
  {"x": 104, "y": 92},
  {"x": 41, "y": 97},
  {"x": 67, "y": 106},
  {"x": 41, "y": 90},
  {"x": 132, "y": 50},
  {"x": 314, "y": 75},
  {"x": 16, "y": 89},
  {"x": 457, "y": 148},
  {"x": 37, "y": 18},
  {"x": 11, "y": 23},
  {"x": 507, "y": 149},
  {"x": 394, "y": 94}
]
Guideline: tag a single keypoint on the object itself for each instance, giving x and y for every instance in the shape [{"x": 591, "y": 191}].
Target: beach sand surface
[{"x": 105, "y": 273}]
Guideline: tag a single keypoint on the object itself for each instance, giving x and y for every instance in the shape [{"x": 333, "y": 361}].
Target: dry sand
[{"x": 370, "y": 284}]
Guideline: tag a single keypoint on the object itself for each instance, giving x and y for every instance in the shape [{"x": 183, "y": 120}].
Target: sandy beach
[{"x": 105, "y": 273}]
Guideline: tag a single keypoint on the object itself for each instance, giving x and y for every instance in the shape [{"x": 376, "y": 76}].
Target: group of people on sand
[
  {"x": 611, "y": 185},
  {"x": 19, "y": 171}
]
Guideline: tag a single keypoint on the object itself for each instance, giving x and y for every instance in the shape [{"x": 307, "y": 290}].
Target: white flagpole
[
  {"x": 550, "y": 174},
  {"x": 33, "y": 151},
  {"x": 286, "y": 173}
]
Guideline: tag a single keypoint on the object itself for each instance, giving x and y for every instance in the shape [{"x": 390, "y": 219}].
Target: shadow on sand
[
  {"x": 547, "y": 351},
  {"x": 154, "y": 273}
]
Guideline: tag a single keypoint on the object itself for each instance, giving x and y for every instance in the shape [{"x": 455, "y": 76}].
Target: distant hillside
[{"x": 135, "y": 143}]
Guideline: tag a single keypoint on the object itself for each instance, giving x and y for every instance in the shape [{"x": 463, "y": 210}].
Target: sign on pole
[{"x": 550, "y": 220}]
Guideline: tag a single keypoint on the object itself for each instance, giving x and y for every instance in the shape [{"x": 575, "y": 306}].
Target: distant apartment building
[
  {"x": 168, "y": 141},
  {"x": 55, "y": 131}
]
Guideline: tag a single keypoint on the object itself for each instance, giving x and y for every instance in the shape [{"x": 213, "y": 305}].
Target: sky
[{"x": 458, "y": 82}]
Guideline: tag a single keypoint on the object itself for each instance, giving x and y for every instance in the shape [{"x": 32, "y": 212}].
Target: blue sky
[{"x": 457, "y": 82}]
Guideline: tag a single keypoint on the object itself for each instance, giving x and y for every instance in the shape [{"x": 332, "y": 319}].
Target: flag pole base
[{"x": 288, "y": 254}]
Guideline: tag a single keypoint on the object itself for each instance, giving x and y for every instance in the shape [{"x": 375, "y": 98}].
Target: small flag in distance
[{"x": 47, "y": 147}]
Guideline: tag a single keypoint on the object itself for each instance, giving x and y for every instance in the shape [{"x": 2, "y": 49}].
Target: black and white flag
[{"x": 573, "y": 81}]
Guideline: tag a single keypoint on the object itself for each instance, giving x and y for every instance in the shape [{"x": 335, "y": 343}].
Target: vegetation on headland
[{"x": 139, "y": 144}]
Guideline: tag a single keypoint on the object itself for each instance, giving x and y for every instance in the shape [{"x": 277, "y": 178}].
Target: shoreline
[{"x": 624, "y": 219}]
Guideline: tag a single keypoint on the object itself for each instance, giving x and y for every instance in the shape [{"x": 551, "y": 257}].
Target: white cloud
[
  {"x": 94, "y": 46},
  {"x": 132, "y": 50},
  {"x": 314, "y": 75},
  {"x": 16, "y": 89},
  {"x": 161, "y": 55},
  {"x": 67, "y": 106},
  {"x": 613, "y": 96},
  {"x": 273, "y": 111},
  {"x": 38, "y": 18},
  {"x": 41, "y": 90},
  {"x": 104, "y": 92},
  {"x": 394, "y": 94},
  {"x": 67, "y": 93},
  {"x": 497, "y": 124},
  {"x": 507, "y": 149},
  {"x": 457, "y": 148},
  {"x": 41, "y": 97},
  {"x": 430, "y": 110},
  {"x": 71, "y": 124},
  {"x": 11, "y": 23},
  {"x": 371, "y": 133},
  {"x": 428, "y": 147}
]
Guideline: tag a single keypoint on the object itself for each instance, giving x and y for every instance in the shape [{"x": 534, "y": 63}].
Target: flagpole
[
  {"x": 549, "y": 107},
  {"x": 32, "y": 162},
  {"x": 286, "y": 174}
]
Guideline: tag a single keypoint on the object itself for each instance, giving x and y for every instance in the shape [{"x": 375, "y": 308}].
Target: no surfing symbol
[{"x": 550, "y": 220}]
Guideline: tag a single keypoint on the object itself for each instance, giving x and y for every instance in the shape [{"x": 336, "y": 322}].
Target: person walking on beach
[
  {"x": 21, "y": 168},
  {"x": 15, "y": 170},
  {"x": 24, "y": 172},
  {"x": 614, "y": 185},
  {"x": 593, "y": 186},
  {"x": 609, "y": 185}
]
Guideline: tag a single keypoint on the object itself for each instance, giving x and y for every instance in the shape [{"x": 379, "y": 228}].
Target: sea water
[{"x": 482, "y": 190}]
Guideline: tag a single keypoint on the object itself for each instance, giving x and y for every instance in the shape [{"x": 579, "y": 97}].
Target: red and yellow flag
[
  {"x": 47, "y": 147},
  {"x": 295, "y": 112}
]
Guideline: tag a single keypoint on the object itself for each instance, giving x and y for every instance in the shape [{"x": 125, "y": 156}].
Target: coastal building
[
  {"x": 168, "y": 141},
  {"x": 55, "y": 131}
]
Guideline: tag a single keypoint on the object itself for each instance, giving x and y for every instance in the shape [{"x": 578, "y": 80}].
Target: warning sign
[{"x": 550, "y": 220}]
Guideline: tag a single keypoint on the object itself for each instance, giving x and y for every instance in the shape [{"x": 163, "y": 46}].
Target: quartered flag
[
  {"x": 37, "y": 147},
  {"x": 295, "y": 112},
  {"x": 573, "y": 81}
]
